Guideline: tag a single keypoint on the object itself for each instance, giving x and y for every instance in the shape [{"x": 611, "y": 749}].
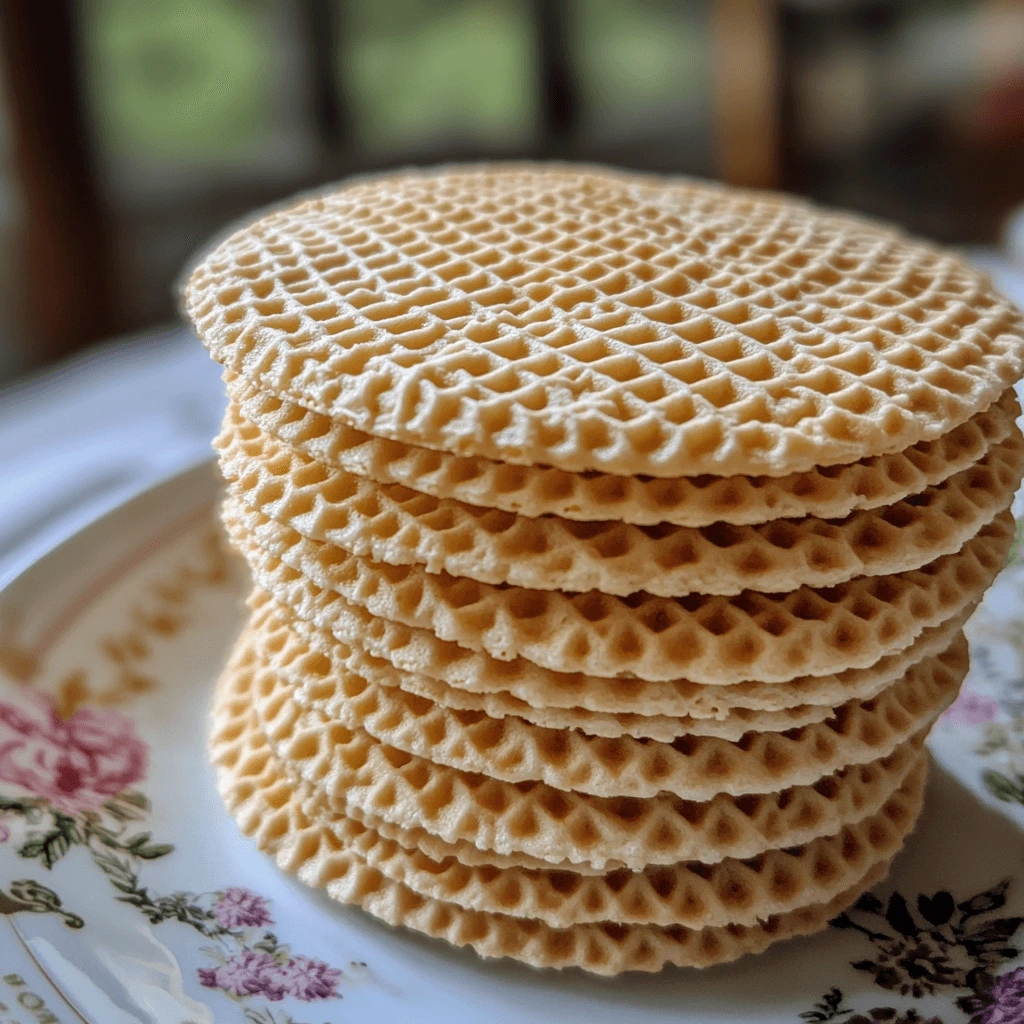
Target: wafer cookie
[
  {"x": 263, "y": 802},
  {"x": 690, "y": 767},
  {"x": 325, "y": 671},
  {"x": 376, "y": 643},
  {"x": 351, "y": 769},
  {"x": 595, "y": 320},
  {"x": 768, "y": 637},
  {"x": 826, "y": 492},
  {"x": 690, "y": 894},
  {"x": 394, "y": 524}
]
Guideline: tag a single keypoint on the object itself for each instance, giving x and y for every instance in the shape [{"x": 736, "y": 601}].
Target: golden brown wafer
[
  {"x": 690, "y": 767},
  {"x": 379, "y": 648},
  {"x": 600, "y": 320},
  {"x": 708, "y": 639},
  {"x": 350, "y": 769},
  {"x": 827, "y": 492},
  {"x": 394, "y": 524},
  {"x": 263, "y": 801}
]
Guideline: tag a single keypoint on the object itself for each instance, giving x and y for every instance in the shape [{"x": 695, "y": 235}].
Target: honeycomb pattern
[
  {"x": 825, "y": 492},
  {"x": 693, "y": 895},
  {"x": 691, "y": 767},
  {"x": 393, "y": 524},
  {"x": 768, "y": 637},
  {"x": 416, "y": 838},
  {"x": 324, "y": 672},
  {"x": 413, "y": 837},
  {"x": 263, "y": 801},
  {"x": 688, "y": 894},
  {"x": 418, "y": 654},
  {"x": 596, "y": 320},
  {"x": 350, "y": 769}
]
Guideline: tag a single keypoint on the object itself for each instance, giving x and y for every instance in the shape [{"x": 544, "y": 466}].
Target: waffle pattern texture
[{"x": 612, "y": 539}]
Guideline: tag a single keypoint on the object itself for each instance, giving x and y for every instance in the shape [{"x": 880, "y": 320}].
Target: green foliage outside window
[
  {"x": 418, "y": 73},
  {"x": 178, "y": 78}
]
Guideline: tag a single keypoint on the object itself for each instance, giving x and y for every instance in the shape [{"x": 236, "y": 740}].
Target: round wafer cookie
[
  {"x": 597, "y": 320},
  {"x": 690, "y": 894},
  {"x": 690, "y": 767},
  {"x": 465, "y": 853},
  {"x": 708, "y": 639},
  {"x": 352, "y": 770},
  {"x": 393, "y": 524},
  {"x": 827, "y": 492},
  {"x": 414, "y": 837},
  {"x": 324, "y": 671},
  {"x": 263, "y": 801},
  {"x": 397, "y": 525},
  {"x": 417, "y": 653}
]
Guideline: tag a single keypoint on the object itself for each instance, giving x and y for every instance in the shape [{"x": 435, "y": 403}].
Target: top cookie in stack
[{"x": 612, "y": 538}]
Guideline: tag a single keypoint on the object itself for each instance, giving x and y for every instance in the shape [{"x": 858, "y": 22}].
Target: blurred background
[{"x": 133, "y": 130}]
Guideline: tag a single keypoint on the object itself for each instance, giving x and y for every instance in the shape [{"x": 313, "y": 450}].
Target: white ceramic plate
[{"x": 127, "y": 894}]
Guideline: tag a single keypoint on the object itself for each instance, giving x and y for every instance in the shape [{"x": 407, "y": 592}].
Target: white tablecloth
[{"x": 86, "y": 436}]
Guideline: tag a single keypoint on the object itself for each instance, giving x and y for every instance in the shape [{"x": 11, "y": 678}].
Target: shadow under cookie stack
[{"x": 612, "y": 539}]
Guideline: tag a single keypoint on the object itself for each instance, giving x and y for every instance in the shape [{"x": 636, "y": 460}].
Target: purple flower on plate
[
  {"x": 249, "y": 973},
  {"x": 256, "y": 973},
  {"x": 309, "y": 980},
  {"x": 972, "y": 708},
  {"x": 5, "y": 833},
  {"x": 241, "y": 908},
  {"x": 998, "y": 1000}
]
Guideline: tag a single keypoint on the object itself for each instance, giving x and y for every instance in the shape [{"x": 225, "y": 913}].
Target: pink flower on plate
[
  {"x": 249, "y": 973},
  {"x": 75, "y": 763},
  {"x": 972, "y": 708},
  {"x": 253, "y": 973},
  {"x": 240, "y": 908},
  {"x": 1005, "y": 1000},
  {"x": 308, "y": 979}
]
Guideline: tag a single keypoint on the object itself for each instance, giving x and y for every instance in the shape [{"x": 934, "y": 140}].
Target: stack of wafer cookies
[{"x": 612, "y": 539}]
